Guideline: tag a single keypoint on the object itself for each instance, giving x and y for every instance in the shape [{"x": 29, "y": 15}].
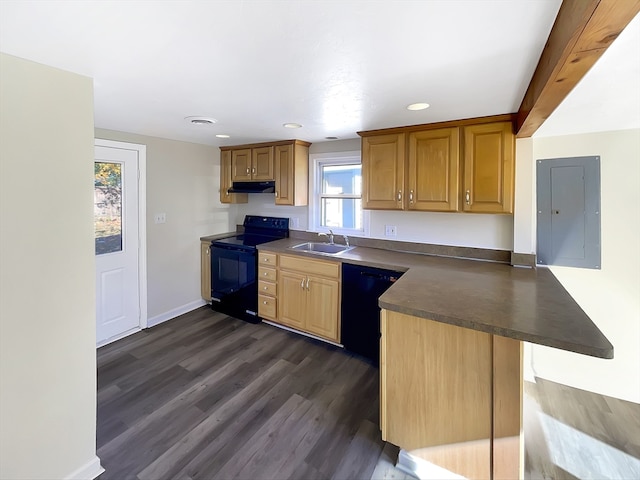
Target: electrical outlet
[
  {"x": 295, "y": 222},
  {"x": 160, "y": 218},
  {"x": 390, "y": 230}
]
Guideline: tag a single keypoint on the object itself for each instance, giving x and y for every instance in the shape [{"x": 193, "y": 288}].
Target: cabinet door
[
  {"x": 383, "y": 159},
  {"x": 433, "y": 174},
  {"x": 323, "y": 308},
  {"x": 262, "y": 163},
  {"x": 205, "y": 270},
  {"x": 225, "y": 181},
  {"x": 284, "y": 174},
  {"x": 488, "y": 168},
  {"x": 241, "y": 165},
  {"x": 292, "y": 299}
]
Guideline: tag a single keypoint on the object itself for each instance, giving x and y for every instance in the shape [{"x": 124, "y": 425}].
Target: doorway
[{"x": 120, "y": 246}]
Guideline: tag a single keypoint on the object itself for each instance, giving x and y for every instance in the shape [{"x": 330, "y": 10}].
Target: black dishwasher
[{"x": 361, "y": 287}]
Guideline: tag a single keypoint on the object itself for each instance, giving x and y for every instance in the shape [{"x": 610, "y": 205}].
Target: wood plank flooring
[{"x": 205, "y": 396}]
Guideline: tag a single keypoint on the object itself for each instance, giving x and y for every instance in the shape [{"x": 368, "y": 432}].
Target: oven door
[{"x": 233, "y": 281}]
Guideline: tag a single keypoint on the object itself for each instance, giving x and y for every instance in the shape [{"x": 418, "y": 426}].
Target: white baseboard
[
  {"x": 174, "y": 312},
  {"x": 88, "y": 471}
]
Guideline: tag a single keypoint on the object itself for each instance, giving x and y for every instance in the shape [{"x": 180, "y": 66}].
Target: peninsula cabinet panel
[
  {"x": 241, "y": 165},
  {"x": 436, "y": 395},
  {"x": 433, "y": 176},
  {"x": 226, "y": 180},
  {"x": 262, "y": 163},
  {"x": 489, "y": 168},
  {"x": 383, "y": 162}
]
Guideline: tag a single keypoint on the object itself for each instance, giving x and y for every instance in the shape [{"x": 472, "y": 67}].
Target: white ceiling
[{"x": 337, "y": 67}]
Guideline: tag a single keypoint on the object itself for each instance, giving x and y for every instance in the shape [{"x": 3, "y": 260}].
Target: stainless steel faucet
[{"x": 330, "y": 235}]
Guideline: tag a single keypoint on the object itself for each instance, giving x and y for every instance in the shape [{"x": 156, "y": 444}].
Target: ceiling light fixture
[
  {"x": 223, "y": 135},
  {"x": 201, "y": 120},
  {"x": 417, "y": 106},
  {"x": 291, "y": 125},
  {"x": 331, "y": 138}
]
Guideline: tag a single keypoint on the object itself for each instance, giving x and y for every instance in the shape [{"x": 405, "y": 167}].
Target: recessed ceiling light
[
  {"x": 222, "y": 135},
  {"x": 291, "y": 125},
  {"x": 201, "y": 120},
  {"x": 417, "y": 106}
]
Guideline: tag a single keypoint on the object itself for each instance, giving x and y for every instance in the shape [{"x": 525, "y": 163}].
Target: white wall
[
  {"x": 47, "y": 311},
  {"x": 610, "y": 296},
  {"x": 183, "y": 181},
  {"x": 469, "y": 230}
]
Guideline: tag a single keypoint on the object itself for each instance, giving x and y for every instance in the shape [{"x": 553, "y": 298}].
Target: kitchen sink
[{"x": 321, "y": 248}]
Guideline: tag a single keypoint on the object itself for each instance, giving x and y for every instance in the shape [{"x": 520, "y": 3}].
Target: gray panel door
[{"x": 568, "y": 192}]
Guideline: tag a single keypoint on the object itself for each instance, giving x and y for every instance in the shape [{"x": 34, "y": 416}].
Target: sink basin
[{"x": 321, "y": 248}]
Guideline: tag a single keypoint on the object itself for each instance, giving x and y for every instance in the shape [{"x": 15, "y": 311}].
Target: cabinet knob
[
  {"x": 467, "y": 197},
  {"x": 411, "y": 196},
  {"x": 266, "y": 259},
  {"x": 307, "y": 283},
  {"x": 276, "y": 194},
  {"x": 302, "y": 283},
  {"x": 266, "y": 288},
  {"x": 399, "y": 195},
  {"x": 247, "y": 170},
  {"x": 264, "y": 303},
  {"x": 253, "y": 170},
  {"x": 265, "y": 274}
]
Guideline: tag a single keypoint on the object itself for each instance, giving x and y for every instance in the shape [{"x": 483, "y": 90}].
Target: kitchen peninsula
[{"x": 451, "y": 353}]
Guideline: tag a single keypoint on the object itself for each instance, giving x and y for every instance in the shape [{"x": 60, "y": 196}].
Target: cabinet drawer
[
  {"x": 307, "y": 266},
  {"x": 265, "y": 273},
  {"x": 267, "y": 288},
  {"x": 265, "y": 258},
  {"x": 267, "y": 307}
]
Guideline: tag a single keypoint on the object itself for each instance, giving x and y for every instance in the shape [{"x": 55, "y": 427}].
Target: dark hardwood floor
[{"x": 205, "y": 396}]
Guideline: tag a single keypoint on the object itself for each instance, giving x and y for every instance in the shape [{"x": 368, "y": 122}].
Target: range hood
[{"x": 253, "y": 187}]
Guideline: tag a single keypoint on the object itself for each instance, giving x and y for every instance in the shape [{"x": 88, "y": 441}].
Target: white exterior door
[{"x": 117, "y": 242}]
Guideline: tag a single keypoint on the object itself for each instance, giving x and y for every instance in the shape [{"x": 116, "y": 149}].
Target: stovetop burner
[{"x": 257, "y": 230}]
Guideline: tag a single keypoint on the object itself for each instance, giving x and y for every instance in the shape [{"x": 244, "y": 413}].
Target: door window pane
[{"x": 107, "y": 207}]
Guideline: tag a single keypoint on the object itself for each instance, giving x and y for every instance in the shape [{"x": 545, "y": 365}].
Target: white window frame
[{"x": 317, "y": 161}]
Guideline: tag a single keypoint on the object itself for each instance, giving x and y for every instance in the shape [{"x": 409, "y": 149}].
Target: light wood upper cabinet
[
  {"x": 286, "y": 162},
  {"x": 433, "y": 174},
  {"x": 383, "y": 164},
  {"x": 292, "y": 173},
  {"x": 205, "y": 270},
  {"x": 225, "y": 181},
  {"x": 252, "y": 164},
  {"x": 464, "y": 165},
  {"x": 489, "y": 168},
  {"x": 262, "y": 163},
  {"x": 241, "y": 165}
]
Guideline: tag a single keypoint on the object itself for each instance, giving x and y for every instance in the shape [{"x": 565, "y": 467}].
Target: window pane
[
  {"x": 107, "y": 207},
  {"x": 341, "y": 213},
  {"x": 337, "y": 179}
]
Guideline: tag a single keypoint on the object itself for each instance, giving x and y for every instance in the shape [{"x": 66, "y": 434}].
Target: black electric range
[{"x": 234, "y": 265}]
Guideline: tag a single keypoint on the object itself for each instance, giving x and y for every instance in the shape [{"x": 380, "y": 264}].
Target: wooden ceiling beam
[{"x": 583, "y": 30}]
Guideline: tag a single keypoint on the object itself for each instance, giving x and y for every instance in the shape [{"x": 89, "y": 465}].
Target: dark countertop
[
  {"x": 521, "y": 303},
  {"x": 211, "y": 238}
]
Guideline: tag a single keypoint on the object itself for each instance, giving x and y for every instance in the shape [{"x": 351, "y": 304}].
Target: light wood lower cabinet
[
  {"x": 309, "y": 296},
  {"x": 205, "y": 270},
  {"x": 452, "y": 396},
  {"x": 267, "y": 286}
]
